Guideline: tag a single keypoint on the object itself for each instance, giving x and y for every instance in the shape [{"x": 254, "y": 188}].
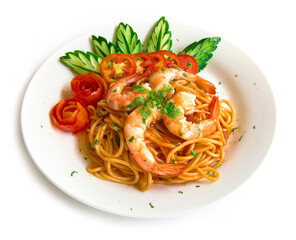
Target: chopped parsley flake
[
  {"x": 159, "y": 139},
  {"x": 117, "y": 139},
  {"x": 198, "y": 122},
  {"x": 118, "y": 130},
  {"x": 219, "y": 83},
  {"x": 184, "y": 74},
  {"x": 174, "y": 160},
  {"x": 233, "y": 129},
  {"x": 85, "y": 158},
  {"x": 197, "y": 186},
  {"x": 115, "y": 90},
  {"x": 155, "y": 99},
  {"x": 194, "y": 154},
  {"x": 89, "y": 146},
  {"x": 73, "y": 173},
  {"x": 180, "y": 192},
  {"x": 151, "y": 205},
  {"x": 200, "y": 132},
  {"x": 131, "y": 139},
  {"x": 114, "y": 124},
  {"x": 241, "y": 137},
  {"x": 180, "y": 134},
  {"x": 254, "y": 127},
  {"x": 96, "y": 142}
]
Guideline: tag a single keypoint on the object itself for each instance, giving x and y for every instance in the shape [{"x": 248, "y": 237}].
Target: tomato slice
[
  {"x": 70, "y": 115},
  {"x": 188, "y": 63},
  {"x": 159, "y": 60},
  {"x": 116, "y": 66},
  {"x": 89, "y": 88},
  {"x": 172, "y": 60},
  {"x": 145, "y": 64}
]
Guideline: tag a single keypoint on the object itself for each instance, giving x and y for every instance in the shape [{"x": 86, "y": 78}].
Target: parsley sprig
[{"x": 156, "y": 99}]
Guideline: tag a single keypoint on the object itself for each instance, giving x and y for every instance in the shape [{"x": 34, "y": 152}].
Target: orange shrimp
[
  {"x": 189, "y": 130},
  {"x": 134, "y": 130},
  {"x": 163, "y": 77},
  {"x": 116, "y": 100}
]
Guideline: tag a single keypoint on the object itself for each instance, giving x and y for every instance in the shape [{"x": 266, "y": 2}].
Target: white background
[{"x": 32, "y": 207}]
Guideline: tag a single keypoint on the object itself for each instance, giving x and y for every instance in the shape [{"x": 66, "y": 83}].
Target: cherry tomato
[
  {"x": 116, "y": 66},
  {"x": 188, "y": 63},
  {"x": 145, "y": 64},
  {"x": 158, "y": 59},
  {"x": 172, "y": 60},
  {"x": 70, "y": 115},
  {"x": 88, "y": 88}
]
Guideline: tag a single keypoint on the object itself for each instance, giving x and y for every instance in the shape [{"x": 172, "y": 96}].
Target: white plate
[{"x": 57, "y": 156}]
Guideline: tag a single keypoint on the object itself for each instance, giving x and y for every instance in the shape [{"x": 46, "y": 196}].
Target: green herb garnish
[
  {"x": 194, "y": 154},
  {"x": 72, "y": 173},
  {"x": 89, "y": 146},
  {"x": 131, "y": 139},
  {"x": 180, "y": 192},
  {"x": 241, "y": 137},
  {"x": 156, "y": 99},
  {"x": 96, "y": 142},
  {"x": 151, "y": 205},
  {"x": 233, "y": 129}
]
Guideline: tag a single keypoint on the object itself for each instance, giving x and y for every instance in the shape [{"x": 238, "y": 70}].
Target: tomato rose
[
  {"x": 88, "y": 88},
  {"x": 70, "y": 115}
]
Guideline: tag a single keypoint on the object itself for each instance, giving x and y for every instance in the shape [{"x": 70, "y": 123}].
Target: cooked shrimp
[
  {"x": 189, "y": 130},
  {"x": 116, "y": 100},
  {"x": 134, "y": 130},
  {"x": 163, "y": 77}
]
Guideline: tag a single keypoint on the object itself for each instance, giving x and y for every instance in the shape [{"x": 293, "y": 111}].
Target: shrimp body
[
  {"x": 116, "y": 100},
  {"x": 163, "y": 77},
  {"x": 189, "y": 130},
  {"x": 134, "y": 130}
]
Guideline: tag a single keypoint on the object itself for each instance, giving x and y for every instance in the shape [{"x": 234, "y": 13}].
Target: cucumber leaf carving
[
  {"x": 81, "y": 62},
  {"x": 127, "y": 40},
  {"x": 160, "y": 38},
  {"x": 101, "y": 46},
  {"x": 202, "y": 50}
]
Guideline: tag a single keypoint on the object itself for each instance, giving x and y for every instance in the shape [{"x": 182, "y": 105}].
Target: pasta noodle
[{"x": 106, "y": 147}]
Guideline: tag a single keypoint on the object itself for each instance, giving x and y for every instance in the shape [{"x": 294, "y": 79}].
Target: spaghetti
[{"x": 104, "y": 143}]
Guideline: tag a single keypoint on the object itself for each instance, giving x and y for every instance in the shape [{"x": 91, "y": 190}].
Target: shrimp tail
[
  {"x": 169, "y": 169},
  {"x": 214, "y": 108},
  {"x": 205, "y": 85}
]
